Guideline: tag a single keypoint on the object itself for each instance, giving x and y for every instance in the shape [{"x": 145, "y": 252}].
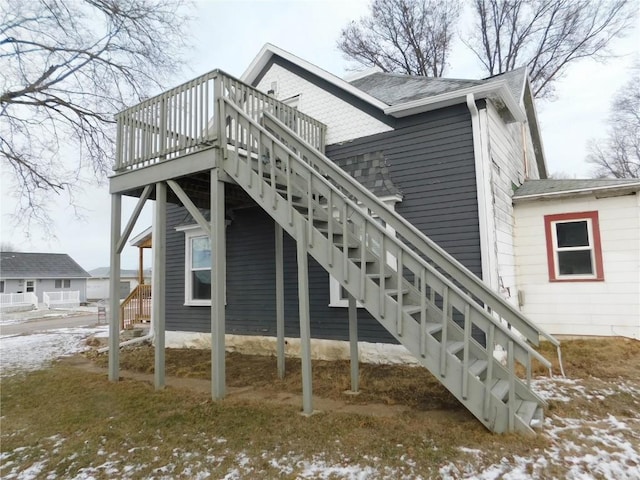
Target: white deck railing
[
  {"x": 8, "y": 300},
  {"x": 61, "y": 299},
  {"x": 183, "y": 120}
]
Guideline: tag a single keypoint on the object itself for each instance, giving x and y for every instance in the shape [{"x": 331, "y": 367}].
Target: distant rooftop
[
  {"x": 17, "y": 265},
  {"x": 103, "y": 272}
]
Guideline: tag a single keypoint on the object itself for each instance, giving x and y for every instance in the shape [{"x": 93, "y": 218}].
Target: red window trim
[{"x": 597, "y": 249}]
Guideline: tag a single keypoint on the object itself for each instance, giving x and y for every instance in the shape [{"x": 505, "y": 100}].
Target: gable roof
[
  {"x": 548, "y": 188},
  {"x": 39, "y": 265},
  {"x": 417, "y": 98}
]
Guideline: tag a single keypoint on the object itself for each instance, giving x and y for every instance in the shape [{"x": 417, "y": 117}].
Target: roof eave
[
  {"x": 609, "y": 189},
  {"x": 498, "y": 89}
]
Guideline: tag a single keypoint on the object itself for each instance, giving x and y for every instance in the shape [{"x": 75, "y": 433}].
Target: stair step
[
  {"x": 393, "y": 292},
  {"x": 527, "y": 411},
  {"x": 367, "y": 259},
  {"x": 477, "y": 367},
  {"x": 433, "y": 327},
  {"x": 454, "y": 347},
  {"x": 411, "y": 309},
  {"x": 500, "y": 389},
  {"x": 376, "y": 275}
]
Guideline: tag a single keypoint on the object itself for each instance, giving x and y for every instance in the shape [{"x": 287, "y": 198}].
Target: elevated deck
[{"x": 176, "y": 134}]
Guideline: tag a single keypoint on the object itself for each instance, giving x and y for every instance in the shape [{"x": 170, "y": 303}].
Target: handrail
[
  {"x": 393, "y": 238},
  {"x": 406, "y": 230},
  {"x": 141, "y": 293},
  {"x": 182, "y": 120}
]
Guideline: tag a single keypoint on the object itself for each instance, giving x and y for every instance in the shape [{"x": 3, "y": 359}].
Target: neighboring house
[
  {"x": 41, "y": 272},
  {"x": 578, "y": 255},
  {"x": 423, "y": 238},
  {"x": 98, "y": 283}
]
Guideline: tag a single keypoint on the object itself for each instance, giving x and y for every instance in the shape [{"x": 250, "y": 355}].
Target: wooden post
[
  {"x": 158, "y": 282},
  {"x": 114, "y": 288},
  {"x": 353, "y": 343},
  {"x": 305, "y": 328},
  {"x": 218, "y": 266},
  {"x": 280, "y": 301}
]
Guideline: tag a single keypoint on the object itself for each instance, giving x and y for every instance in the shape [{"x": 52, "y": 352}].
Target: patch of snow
[{"x": 32, "y": 352}]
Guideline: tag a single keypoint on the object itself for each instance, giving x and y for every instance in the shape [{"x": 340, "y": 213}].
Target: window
[
  {"x": 573, "y": 247},
  {"x": 1, "y": 286},
  {"x": 30, "y": 286},
  {"x": 338, "y": 297},
  {"x": 62, "y": 284},
  {"x": 197, "y": 266}
]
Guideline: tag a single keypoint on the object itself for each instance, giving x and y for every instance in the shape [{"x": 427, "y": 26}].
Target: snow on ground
[
  {"x": 31, "y": 352},
  {"x": 580, "y": 449}
]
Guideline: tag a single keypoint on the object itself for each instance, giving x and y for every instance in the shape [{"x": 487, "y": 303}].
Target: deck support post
[
  {"x": 353, "y": 343},
  {"x": 114, "y": 288},
  {"x": 218, "y": 266},
  {"x": 279, "y": 300},
  {"x": 158, "y": 282},
  {"x": 305, "y": 327}
]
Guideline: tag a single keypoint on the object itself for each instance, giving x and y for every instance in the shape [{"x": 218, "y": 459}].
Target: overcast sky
[{"x": 228, "y": 35}]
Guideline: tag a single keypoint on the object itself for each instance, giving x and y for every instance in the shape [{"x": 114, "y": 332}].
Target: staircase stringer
[
  {"x": 451, "y": 376},
  {"x": 269, "y": 164}
]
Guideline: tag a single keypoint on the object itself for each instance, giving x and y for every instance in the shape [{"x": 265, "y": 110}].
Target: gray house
[
  {"x": 372, "y": 215},
  {"x": 38, "y": 273}
]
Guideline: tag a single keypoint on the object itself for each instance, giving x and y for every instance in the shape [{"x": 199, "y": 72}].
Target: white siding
[
  {"x": 344, "y": 121},
  {"x": 505, "y": 152},
  {"x": 607, "y": 308}
]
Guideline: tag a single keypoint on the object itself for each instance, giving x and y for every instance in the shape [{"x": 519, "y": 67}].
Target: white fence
[
  {"x": 61, "y": 299},
  {"x": 11, "y": 300}
]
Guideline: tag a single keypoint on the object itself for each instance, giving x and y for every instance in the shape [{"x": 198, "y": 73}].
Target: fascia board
[
  {"x": 141, "y": 236},
  {"x": 498, "y": 88},
  {"x": 629, "y": 187},
  {"x": 269, "y": 50}
]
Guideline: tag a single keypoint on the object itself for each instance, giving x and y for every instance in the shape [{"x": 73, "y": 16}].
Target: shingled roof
[
  {"x": 549, "y": 187},
  {"x": 39, "y": 265},
  {"x": 395, "y": 89}
]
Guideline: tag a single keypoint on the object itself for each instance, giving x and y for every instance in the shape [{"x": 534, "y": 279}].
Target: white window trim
[
  {"x": 191, "y": 232},
  {"x": 590, "y": 247},
  {"x": 335, "y": 300}
]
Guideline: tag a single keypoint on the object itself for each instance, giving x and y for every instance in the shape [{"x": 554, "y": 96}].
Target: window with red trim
[{"x": 574, "y": 253}]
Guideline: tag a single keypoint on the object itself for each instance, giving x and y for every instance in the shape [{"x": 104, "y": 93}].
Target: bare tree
[
  {"x": 547, "y": 35},
  {"x": 65, "y": 68},
  {"x": 618, "y": 155},
  {"x": 405, "y": 36},
  {"x": 8, "y": 247}
]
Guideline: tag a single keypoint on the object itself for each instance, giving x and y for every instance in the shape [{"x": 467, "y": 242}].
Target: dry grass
[{"x": 78, "y": 421}]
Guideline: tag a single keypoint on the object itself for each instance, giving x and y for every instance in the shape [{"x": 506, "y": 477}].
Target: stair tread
[
  {"x": 527, "y": 410},
  {"x": 454, "y": 347},
  {"x": 394, "y": 291},
  {"x": 477, "y": 367},
  {"x": 500, "y": 389}
]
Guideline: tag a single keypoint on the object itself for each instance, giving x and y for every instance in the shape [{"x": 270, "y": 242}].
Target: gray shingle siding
[{"x": 430, "y": 159}]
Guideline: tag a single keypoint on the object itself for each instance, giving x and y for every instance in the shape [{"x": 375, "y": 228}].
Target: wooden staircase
[
  {"x": 136, "y": 308},
  {"x": 431, "y": 304}
]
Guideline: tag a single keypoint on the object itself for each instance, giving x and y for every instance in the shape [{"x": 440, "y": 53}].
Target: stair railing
[
  {"x": 448, "y": 264},
  {"x": 285, "y": 172}
]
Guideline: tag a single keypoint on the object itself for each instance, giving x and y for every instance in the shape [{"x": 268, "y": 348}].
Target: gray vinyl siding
[
  {"x": 430, "y": 158},
  {"x": 250, "y": 294},
  {"x": 46, "y": 285}
]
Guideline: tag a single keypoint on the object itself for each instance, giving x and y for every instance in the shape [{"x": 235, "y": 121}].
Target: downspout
[{"x": 483, "y": 214}]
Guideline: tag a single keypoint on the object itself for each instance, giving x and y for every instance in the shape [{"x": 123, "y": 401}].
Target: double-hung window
[
  {"x": 62, "y": 284},
  {"x": 197, "y": 273},
  {"x": 573, "y": 247}
]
